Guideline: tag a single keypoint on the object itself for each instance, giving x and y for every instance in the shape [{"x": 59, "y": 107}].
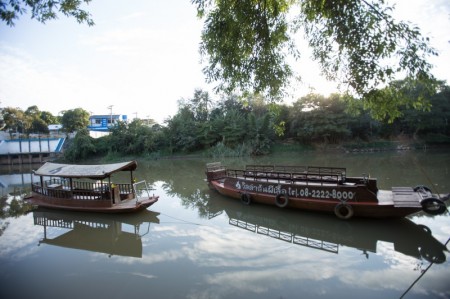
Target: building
[
  {"x": 100, "y": 125},
  {"x": 31, "y": 150},
  {"x": 55, "y": 129},
  {"x": 103, "y": 123}
]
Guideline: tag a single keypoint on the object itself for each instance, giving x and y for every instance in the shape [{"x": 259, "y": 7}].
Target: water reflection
[
  {"x": 97, "y": 232},
  {"x": 327, "y": 233},
  {"x": 15, "y": 184},
  {"x": 203, "y": 245}
]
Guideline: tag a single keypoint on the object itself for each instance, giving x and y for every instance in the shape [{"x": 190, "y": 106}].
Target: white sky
[{"x": 142, "y": 57}]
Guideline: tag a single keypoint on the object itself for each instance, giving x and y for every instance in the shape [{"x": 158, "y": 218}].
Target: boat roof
[{"x": 84, "y": 171}]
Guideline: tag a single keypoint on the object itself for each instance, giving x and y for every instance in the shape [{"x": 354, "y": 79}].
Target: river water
[{"x": 195, "y": 243}]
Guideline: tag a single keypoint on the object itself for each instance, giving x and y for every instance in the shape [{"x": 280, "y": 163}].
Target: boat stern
[{"x": 215, "y": 171}]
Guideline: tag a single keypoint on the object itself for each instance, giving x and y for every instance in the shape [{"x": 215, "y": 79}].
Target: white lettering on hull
[{"x": 307, "y": 192}]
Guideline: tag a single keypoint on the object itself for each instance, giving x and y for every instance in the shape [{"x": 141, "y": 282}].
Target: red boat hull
[{"x": 367, "y": 209}]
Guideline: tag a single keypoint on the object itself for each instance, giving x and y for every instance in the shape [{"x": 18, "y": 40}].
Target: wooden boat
[
  {"x": 321, "y": 189},
  {"x": 89, "y": 188}
]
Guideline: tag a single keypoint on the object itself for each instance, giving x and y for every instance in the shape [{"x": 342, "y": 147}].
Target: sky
[{"x": 142, "y": 57}]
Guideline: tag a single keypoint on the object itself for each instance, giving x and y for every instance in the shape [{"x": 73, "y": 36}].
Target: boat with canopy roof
[{"x": 89, "y": 188}]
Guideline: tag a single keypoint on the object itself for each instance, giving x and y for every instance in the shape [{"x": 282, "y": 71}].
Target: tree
[
  {"x": 38, "y": 126},
  {"x": 433, "y": 121},
  {"x": 247, "y": 44},
  {"x": 13, "y": 119},
  {"x": 82, "y": 148},
  {"x": 200, "y": 104},
  {"x": 74, "y": 119},
  {"x": 44, "y": 10},
  {"x": 182, "y": 130},
  {"x": 259, "y": 133},
  {"x": 316, "y": 118}
]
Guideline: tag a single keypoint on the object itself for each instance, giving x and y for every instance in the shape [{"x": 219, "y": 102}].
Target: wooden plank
[
  {"x": 402, "y": 189},
  {"x": 405, "y": 198},
  {"x": 407, "y": 205}
]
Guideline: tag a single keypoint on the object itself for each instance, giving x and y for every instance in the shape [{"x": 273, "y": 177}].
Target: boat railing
[
  {"x": 312, "y": 175},
  {"x": 125, "y": 188},
  {"x": 298, "y": 169},
  {"x": 76, "y": 185},
  {"x": 51, "y": 192},
  {"x": 80, "y": 190},
  {"x": 140, "y": 190}
]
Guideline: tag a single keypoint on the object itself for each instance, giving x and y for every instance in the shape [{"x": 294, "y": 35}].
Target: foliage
[
  {"x": 182, "y": 131},
  {"x": 13, "y": 119},
  {"x": 248, "y": 44},
  {"x": 358, "y": 43},
  {"x": 401, "y": 94},
  {"x": 82, "y": 147},
  {"x": 238, "y": 127},
  {"x": 435, "y": 119},
  {"x": 354, "y": 40},
  {"x": 220, "y": 150},
  {"x": 44, "y": 10},
  {"x": 38, "y": 125},
  {"x": 134, "y": 138},
  {"x": 74, "y": 120},
  {"x": 260, "y": 134},
  {"x": 319, "y": 119},
  {"x": 32, "y": 120},
  {"x": 245, "y": 42}
]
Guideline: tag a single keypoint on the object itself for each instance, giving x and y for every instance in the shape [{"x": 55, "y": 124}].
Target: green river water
[{"x": 195, "y": 243}]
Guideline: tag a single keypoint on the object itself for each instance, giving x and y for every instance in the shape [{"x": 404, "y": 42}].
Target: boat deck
[{"x": 406, "y": 197}]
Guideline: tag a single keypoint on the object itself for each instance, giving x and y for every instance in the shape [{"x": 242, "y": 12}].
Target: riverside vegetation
[{"x": 236, "y": 127}]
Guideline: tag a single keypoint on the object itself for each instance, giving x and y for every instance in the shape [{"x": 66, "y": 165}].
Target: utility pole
[{"x": 110, "y": 113}]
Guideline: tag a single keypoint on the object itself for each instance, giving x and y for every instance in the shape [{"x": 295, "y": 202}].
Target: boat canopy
[{"x": 84, "y": 171}]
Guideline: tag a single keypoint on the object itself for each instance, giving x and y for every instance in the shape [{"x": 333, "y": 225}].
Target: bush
[
  {"x": 436, "y": 138},
  {"x": 220, "y": 150}
]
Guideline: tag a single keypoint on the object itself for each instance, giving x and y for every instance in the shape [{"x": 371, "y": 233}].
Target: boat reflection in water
[
  {"x": 327, "y": 233},
  {"x": 97, "y": 232}
]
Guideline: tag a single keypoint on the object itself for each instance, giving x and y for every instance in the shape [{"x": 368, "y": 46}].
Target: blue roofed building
[{"x": 101, "y": 124}]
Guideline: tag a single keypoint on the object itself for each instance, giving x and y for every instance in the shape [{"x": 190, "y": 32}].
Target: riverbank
[{"x": 400, "y": 144}]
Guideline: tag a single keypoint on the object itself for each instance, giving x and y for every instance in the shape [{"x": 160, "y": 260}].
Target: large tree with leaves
[
  {"x": 248, "y": 43},
  {"x": 44, "y": 10},
  {"x": 74, "y": 119},
  {"x": 356, "y": 42}
]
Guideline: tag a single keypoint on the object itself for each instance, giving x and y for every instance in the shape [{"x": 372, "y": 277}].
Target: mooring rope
[{"x": 422, "y": 274}]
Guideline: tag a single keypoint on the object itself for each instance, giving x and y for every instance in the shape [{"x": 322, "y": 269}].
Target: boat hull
[
  {"x": 99, "y": 206},
  {"x": 359, "y": 208}
]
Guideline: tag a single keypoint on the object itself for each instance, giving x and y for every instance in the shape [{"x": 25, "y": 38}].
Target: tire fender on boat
[
  {"x": 246, "y": 198},
  {"x": 433, "y": 206},
  {"x": 421, "y": 188},
  {"x": 343, "y": 211},
  {"x": 281, "y": 200}
]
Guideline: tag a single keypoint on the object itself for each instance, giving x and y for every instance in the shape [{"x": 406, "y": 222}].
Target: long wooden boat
[
  {"x": 89, "y": 188},
  {"x": 321, "y": 189}
]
